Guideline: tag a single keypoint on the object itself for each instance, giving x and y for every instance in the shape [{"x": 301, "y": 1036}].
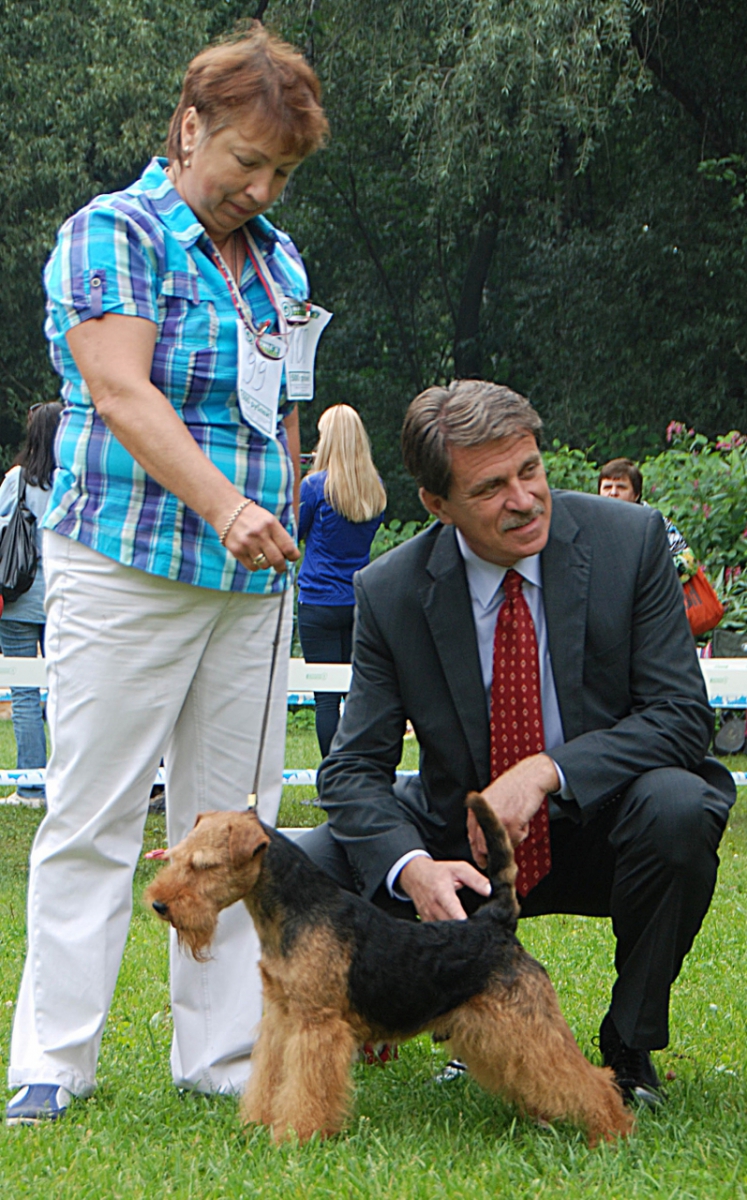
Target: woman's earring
[{"x": 187, "y": 159}]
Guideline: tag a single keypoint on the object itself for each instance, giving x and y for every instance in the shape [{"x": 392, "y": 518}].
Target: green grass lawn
[{"x": 408, "y": 1137}]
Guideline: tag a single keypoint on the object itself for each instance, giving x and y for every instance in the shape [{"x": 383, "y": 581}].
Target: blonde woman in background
[{"x": 342, "y": 506}]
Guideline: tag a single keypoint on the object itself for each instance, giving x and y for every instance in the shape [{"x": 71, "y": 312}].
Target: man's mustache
[{"x": 520, "y": 519}]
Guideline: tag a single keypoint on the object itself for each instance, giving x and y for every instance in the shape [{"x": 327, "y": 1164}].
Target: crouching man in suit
[{"x": 538, "y": 643}]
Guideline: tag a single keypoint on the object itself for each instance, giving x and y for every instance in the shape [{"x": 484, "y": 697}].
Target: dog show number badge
[
  {"x": 304, "y": 338},
  {"x": 260, "y": 375}
]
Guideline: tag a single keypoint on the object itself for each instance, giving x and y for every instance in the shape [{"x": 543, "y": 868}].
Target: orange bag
[{"x": 703, "y": 607}]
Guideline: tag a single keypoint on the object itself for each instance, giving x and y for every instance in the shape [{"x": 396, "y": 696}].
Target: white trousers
[{"x": 140, "y": 667}]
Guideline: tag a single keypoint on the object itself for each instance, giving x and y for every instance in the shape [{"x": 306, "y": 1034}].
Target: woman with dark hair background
[
  {"x": 621, "y": 479},
  {"x": 22, "y": 620}
]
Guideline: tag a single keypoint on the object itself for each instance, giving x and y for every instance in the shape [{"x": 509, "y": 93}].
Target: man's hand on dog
[
  {"x": 433, "y": 886},
  {"x": 514, "y": 797}
]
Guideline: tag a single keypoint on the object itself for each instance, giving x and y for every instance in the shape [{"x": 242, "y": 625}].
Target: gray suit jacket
[{"x": 629, "y": 685}]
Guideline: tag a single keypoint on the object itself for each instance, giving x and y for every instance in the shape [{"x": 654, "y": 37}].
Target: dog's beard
[
  {"x": 196, "y": 941},
  {"x": 193, "y": 936}
]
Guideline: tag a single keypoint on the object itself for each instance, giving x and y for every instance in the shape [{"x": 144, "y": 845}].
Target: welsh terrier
[{"x": 338, "y": 972}]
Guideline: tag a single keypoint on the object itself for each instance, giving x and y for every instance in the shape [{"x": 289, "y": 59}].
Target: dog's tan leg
[
  {"x": 315, "y": 1091},
  {"x": 258, "y": 1103},
  {"x": 516, "y": 1042}
]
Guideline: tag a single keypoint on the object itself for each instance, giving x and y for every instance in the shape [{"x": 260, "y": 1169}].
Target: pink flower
[
  {"x": 706, "y": 510},
  {"x": 696, "y": 483},
  {"x": 731, "y": 443},
  {"x": 673, "y": 428}
]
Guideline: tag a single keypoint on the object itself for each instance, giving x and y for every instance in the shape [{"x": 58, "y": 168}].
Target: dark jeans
[
  {"x": 648, "y": 860},
  {"x": 326, "y": 633}
]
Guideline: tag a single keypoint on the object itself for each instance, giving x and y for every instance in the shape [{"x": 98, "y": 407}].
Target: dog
[{"x": 338, "y": 972}]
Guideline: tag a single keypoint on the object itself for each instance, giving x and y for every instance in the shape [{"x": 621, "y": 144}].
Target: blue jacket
[{"x": 335, "y": 547}]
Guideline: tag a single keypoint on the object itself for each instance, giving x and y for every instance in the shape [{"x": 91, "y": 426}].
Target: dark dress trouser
[{"x": 648, "y": 859}]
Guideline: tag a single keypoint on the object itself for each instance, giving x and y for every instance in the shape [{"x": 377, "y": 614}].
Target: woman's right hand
[{"x": 258, "y": 540}]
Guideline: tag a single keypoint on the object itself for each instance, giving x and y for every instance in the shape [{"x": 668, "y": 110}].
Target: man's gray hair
[{"x": 469, "y": 412}]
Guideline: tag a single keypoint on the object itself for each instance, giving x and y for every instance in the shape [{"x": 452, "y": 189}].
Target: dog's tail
[{"x": 501, "y": 867}]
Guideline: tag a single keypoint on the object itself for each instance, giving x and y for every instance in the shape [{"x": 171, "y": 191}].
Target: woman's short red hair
[{"x": 259, "y": 74}]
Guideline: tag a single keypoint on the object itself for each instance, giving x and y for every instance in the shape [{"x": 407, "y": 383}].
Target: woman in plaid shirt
[{"x": 167, "y": 539}]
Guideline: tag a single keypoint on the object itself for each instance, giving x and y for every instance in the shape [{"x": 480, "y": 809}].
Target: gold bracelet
[{"x": 227, "y": 527}]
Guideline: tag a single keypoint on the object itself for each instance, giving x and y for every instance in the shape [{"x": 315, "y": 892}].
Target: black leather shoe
[
  {"x": 454, "y": 1069},
  {"x": 634, "y": 1071}
]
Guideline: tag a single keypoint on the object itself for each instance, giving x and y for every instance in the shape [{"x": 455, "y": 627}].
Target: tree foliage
[
  {"x": 476, "y": 80},
  {"x": 544, "y": 192},
  {"x": 86, "y": 91},
  {"x": 527, "y": 204}
]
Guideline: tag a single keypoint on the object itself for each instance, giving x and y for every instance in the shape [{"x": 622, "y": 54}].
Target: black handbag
[{"x": 18, "y": 553}]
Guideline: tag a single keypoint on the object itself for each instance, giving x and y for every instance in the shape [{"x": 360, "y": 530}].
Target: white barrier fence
[
  {"x": 725, "y": 680},
  {"x": 302, "y": 676}
]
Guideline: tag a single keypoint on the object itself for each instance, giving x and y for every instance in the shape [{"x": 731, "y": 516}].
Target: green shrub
[
  {"x": 731, "y": 586},
  {"x": 388, "y": 536},
  {"x": 702, "y": 487},
  {"x": 570, "y": 469}
]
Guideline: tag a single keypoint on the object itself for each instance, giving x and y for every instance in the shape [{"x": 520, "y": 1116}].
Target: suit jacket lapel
[
  {"x": 566, "y": 565},
  {"x": 448, "y": 611}
]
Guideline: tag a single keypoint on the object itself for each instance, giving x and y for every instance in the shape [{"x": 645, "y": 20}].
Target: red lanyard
[
  {"x": 239, "y": 303},
  {"x": 263, "y": 271}
]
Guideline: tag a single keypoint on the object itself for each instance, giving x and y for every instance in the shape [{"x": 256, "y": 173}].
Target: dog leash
[{"x": 251, "y": 800}]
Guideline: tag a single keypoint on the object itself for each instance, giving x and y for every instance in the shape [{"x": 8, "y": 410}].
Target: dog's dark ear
[{"x": 246, "y": 838}]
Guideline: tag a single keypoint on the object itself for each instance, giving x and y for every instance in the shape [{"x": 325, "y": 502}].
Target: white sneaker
[
  {"x": 37, "y": 1102},
  {"x": 27, "y": 801}
]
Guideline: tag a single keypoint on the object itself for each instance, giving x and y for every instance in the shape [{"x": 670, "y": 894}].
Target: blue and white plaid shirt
[{"x": 142, "y": 253}]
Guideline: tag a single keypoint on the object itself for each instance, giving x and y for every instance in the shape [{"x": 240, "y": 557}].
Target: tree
[
  {"x": 85, "y": 97},
  {"x": 478, "y": 93},
  {"x": 512, "y": 189},
  {"x": 569, "y": 245}
]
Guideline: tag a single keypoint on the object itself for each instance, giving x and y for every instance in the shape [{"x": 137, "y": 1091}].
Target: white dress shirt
[{"x": 485, "y": 583}]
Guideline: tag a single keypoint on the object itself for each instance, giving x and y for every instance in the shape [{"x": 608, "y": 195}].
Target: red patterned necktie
[{"x": 516, "y": 729}]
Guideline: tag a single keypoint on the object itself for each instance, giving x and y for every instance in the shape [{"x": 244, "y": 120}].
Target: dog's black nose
[{"x": 160, "y": 908}]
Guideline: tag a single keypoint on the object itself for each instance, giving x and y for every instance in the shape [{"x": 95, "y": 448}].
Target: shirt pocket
[{"x": 187, "y": 320}]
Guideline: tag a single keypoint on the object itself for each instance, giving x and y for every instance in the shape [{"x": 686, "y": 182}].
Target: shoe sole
[
  {"x": 11, "y": 1121},
  {"x": 647, "y": 1097}
]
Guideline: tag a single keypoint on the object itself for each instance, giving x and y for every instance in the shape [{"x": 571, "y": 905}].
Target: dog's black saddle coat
[{"x": 403, "y": 974}]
